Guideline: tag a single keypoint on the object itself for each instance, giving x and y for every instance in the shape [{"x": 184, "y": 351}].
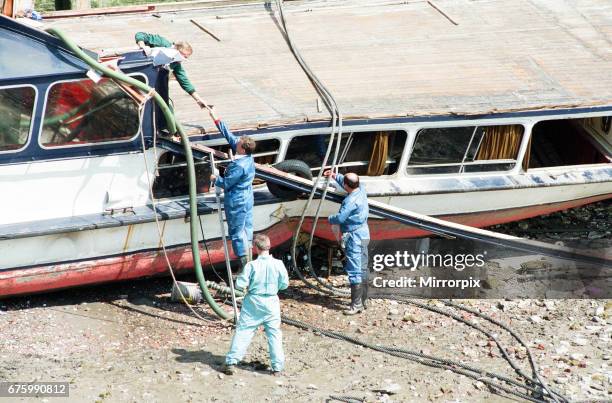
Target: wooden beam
[{"x": 203, "y": 28}]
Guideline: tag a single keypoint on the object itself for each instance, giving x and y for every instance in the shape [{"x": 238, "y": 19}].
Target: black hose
[
  {"x": 487, "y": 377},
  {"x": 334, "y": 111}
]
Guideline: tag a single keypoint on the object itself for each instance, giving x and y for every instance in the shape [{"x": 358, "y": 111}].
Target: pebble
[
  {"x": 311, "y": 386},
  {"x": 411, "y": 318},
  {"x": 535, "y": 319},
  {"x": 561, "y": 379},
  {"x": 391, "y": 389},
  {"x": 393, "y": 311},
  {"x": 220, "y": 376},
  {"x": 579, "y": 341},
  {"x": 576, "y": 356}
]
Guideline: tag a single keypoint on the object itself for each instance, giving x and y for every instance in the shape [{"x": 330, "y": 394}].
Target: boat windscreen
[
  {"x": 16, "y": 107},
  {"x": 83, "y": 112}
]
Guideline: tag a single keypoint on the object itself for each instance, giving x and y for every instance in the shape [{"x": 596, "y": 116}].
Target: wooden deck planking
[{"x": 381, "y": 59}]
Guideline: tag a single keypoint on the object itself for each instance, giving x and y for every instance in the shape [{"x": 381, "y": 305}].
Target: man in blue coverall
[
  {"x": 238, "y": 186},
  {"x": 353, "y": 221},
  {"x": 263, "y": 278}
]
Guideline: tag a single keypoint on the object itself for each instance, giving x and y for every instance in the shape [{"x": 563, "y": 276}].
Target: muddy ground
[{"x": 129, "y": 343}]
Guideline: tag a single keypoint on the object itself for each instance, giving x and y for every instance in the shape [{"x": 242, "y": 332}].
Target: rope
[{"x": 347, "y": 399}]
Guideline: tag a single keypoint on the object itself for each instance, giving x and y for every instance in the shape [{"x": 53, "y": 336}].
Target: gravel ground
[{"x": 129, "y": 342}]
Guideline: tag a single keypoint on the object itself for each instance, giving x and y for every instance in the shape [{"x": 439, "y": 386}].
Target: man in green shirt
[{"x": 147, "y": 41}]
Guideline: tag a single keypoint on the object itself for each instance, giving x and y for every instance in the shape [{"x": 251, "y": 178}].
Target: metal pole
[{"x": 225, "y": 251}]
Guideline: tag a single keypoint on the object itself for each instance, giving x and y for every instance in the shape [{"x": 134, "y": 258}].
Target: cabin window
[
  {"x": 563, "y": 142},
  {"x": 265, "y": 150},
  {"x": 455, "y": 150},
  {"x": 171, "y": 180},
  {"x": 365, "y": 153},
  {"x": 16, "y": 109},
  {"x": 83, "y": 112}
]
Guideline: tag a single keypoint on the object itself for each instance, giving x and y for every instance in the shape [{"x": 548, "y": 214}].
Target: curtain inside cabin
[
  {"x": 378, "y": 158},
  {"x": 500, "y": 142}
]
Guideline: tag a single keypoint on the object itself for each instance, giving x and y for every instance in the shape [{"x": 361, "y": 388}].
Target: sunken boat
[{"x": 475, "y": 126}]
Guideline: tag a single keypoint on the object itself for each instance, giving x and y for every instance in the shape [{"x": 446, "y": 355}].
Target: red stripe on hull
[{"x": 142, "y": 264}]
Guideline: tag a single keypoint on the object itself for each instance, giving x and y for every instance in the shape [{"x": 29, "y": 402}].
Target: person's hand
[
  {"x": 211, "y": 111},
  {"x": 213, "y": 177},
  {"x": 201, "y": 103},
  {"x": 147, "y": 50},
  {"x": 329, "y": 172}
]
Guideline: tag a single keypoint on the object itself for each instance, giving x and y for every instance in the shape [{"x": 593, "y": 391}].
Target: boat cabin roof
[{"x": 381, "y": 59}]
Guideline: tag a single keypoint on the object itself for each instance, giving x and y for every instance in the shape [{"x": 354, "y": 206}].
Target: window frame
[
  {"x": 90, "y": 144},
  {"x": 257, "y": 139},
  {"x": 32, "y": 120},
  {"x": 461, "y": 171},
  {"x": 350, "y": 164}
]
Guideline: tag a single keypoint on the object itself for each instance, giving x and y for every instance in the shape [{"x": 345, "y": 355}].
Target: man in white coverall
[{"x": 263, "y": 278}]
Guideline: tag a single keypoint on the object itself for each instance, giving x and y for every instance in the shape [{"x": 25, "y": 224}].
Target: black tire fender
[{"x": 295, "y": 167}]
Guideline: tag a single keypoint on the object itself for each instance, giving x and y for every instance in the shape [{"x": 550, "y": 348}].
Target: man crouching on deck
[{"x": 263, "y": 278}]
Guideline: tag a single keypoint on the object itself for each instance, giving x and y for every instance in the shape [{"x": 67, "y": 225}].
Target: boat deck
[{"x": 379, "y": 58}]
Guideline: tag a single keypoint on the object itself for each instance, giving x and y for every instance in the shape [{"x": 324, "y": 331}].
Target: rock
[
  {"x": 311, "y": 386},
  {"x": 535, "y": 265},
  {"x": 561, "y": 379},
  {"x": 411, "y": 318},
  {"x": 599, "y": 311},
  {"x": 535, "y": 319},
  {"x": 595, "y": 235},
  {"x": 393, "y": 311},
  {"x": 577, "y": 356},
  {"x": 579, "y": 341},
  {"x": 220, "y": 376},
  {"x": 391, "y": 389},
  {"x": 523, "y": 225}
]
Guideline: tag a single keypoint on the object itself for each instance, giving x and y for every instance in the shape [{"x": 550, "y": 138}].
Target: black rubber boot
[
  {"x": 356, "y": 305},
  {"x": 243, "y": 261},
  {"x": 364, "y": 293}
]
